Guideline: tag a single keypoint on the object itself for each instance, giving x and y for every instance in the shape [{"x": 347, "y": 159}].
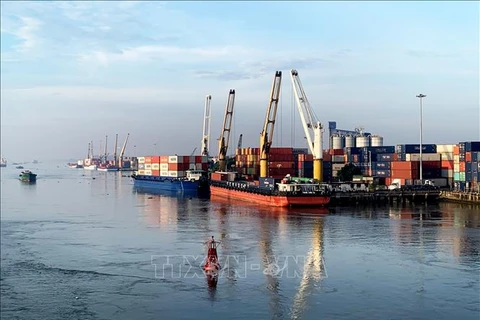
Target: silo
[
  {"x": 377, "y": 141},
  {"x": 338, "y": 142},
  {"x": 349, "y": 141},
  {"x": 362, "y": 141}
]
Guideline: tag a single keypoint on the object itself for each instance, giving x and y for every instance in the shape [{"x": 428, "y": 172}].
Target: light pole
[{"x": 421, "y": 96}]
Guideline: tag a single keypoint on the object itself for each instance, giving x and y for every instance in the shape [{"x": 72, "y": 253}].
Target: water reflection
[{"x": 159, "y": 208}]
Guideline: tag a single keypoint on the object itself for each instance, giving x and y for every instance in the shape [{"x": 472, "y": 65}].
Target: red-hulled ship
[{"x": 287, "y": 193}]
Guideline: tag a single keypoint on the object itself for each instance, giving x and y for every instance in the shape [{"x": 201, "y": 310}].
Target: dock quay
[
  {"x": 385, "y": 196},
  {"x": 463, "y": 197}
]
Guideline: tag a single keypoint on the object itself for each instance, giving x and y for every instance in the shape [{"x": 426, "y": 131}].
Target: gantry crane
[
  {"x": 267, "y": 133},
  {"x": 225, "y": 134},
  {"x": 115, "y": 162},
  {"x": 310, "y": 122},
  {"x": 206, "y": 127},
  {"x": 239, "y": 145},
  {"x": 123, "y": 151}
]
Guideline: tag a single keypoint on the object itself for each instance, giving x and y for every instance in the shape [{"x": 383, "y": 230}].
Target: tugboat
[
  {"x": 212, "y": 266},
  {"x": 28, "y": 176}
]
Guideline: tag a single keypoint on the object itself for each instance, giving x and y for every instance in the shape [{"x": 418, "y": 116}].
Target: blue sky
[{"x": 76, "y": 71}]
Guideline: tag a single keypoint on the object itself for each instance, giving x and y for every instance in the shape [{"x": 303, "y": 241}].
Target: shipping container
[
  {"x": 148, "y": 172},
  {"x": 381, "y": 173},
  {"x": 447, "y": 173},
  {"x": 141, "y": 172},
  {"x": 148, "y": 166},
  {"x": 446, "y": 148},
  {"x": 352, "y": 150},
  {"x": 447, "y": 156},
  {"x": 380, "y": 149},
  {"x": 475, "y": 156},
  {"x": 141, "y": 166},
  {"x": 148, "y": 159},
  {"x": 163, "y": 166},
  {"x": 164, "y": 173},
  {"x": 176, "y": 174},
  {"x": 155, "y": 159},
  {"x": 338, "y": 159},
  {"x": 472, "y": 146},
  {"x": 381, "y": 165},
  {"x": 266, "y": 182},
  {"x": 336, "y": 152},
  {"x": 447, "y": 164},
  {"x": 415, "y": 148},
  {"x": 425, "y": 157},
  {"x": 155, "y": 166},
  {"x": 387, "y": 157},
  {"x": 141, "y": 159},
  {"x": 175, "y": 159},
  {"x": 402, "y": 165},
  {"x": 404, "y": 174},
  {"x": 155, "y": 173}
]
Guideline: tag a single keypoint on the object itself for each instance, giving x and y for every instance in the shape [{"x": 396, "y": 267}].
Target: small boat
[
  {"x": 75, "y": 165},
  {"x": 19, "y": 167},
  {"x": 28, "y": 176},
  {"x": 90, "y": 167},
  {"x": 107, "y": 168},
  {"x": 212, "y": 266},
  {"x": 3, "y": 162}
]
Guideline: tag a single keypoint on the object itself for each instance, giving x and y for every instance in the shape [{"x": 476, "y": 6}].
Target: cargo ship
[
  {"x": 27, "y": 176},
  {"x": 289, "y": 192},
  {"x": 186, "y": 174}
]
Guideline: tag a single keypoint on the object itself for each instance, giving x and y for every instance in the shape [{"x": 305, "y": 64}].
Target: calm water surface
[{"x": 87, "y": 245}]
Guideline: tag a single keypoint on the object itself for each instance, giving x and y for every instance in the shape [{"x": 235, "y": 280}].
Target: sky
[{"x": 74, "y": 72}]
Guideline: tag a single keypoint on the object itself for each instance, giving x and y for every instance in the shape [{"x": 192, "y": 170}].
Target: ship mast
[
  {"x": 115, "y": 151},
  {"x": 105, "y": 156}
]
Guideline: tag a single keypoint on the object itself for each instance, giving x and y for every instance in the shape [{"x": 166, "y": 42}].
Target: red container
[
  {"x": 405, "y": 165},
  {"x": 468, "y": 157},
  {"x": 447, "y": 165},
  {"x": 198, "y": 159},
  {"x": 404, "y": 174},
  {"x": 148, "y": 159},
  {"x": 462, "y": 166},
  {"x": 326, "y": 157},
  {"x": 456, "y": 150},
  {"x": 430, "y": 164},
  {"x": 163, "y": 159},
  {"x": 155, "y": 159},
  {"x": 336, "y": 152},
  {"x": 156, "y": 173}
]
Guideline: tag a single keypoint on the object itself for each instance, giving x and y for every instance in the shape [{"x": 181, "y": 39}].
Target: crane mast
[
  {"x": 123, "y": 151},
  {"x": 311, "y": 124},
  {"x": 105, "y": 152},
  {"x": 115, "y": 151},
  {"x": 239, "y": 145},
  {"x": 267, "y": 134},
  {"x": 225, "y": 135},
  {"x": 206, "y": 127}
]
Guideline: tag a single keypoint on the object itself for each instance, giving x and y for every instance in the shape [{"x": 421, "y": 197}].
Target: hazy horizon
[{"x": 73, "y": 72}]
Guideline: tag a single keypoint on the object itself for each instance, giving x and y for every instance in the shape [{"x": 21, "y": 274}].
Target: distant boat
[
  {"x": 28, "y": 176},
  {"x": 107, "y": 168},
  {"x": 35, "y": 161},
  {"x": 75, "y": 165},
  {"x": 3, "y": 162},
  {"x": 19, "y": 167},
  {"x": 90, "y": 167}
]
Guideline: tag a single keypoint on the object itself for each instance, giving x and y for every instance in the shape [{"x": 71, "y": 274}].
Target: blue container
[
  {"x": 266, "y": 182},
  {"x": 381, "y": 173},
  {"x": 468, "y": 166},
  {"x": 382, "y": 149},
  {"x": 462, "y": 156},
  {"x": 381, "y": 165},
  {"x": 472, "y": 146},
  {"x": 461, "y": 186},
  {"x": 415, "y": 148},
  {"x": 461, "y": 147},
  {"x": 352, "y": 150},
  {"x": 475, "y": 156},
  {"x": 326, "y": 164},
  {"x": 468, "y": 176},
  {"x": 432, "y": 173},
  {"x": 385, "y": 157}
]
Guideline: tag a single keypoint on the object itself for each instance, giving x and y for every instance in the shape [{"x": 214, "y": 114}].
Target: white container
[
  {"x": 142, "y": 172},
  {"x": 164, "y": 173},
  {"x": 141, "y": 159},
  {"x": 376, "y": 141},
  {"x": 148, "y": 166},
  {"x": 155, "y": 166},
  {"x": 338, "y": 159},
  {"x": 447, "y": 156},
  {"x": 148, "y": 172},
  {"x": 456, "y": 158},
  {"x": 425, "y": 157},
  {"x": 175, "y": 159},
  {"x": 445, "y": 148},
  {"x": 337, "y": 166},
  {"x": 164, "y": 167},
  {"x": 176, "y": 174},
  {"x": 456, "y": 167}
]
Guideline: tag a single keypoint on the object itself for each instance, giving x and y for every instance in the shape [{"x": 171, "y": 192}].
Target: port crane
[
  {"x": 240, "y": 139},
  {"x": 206, "y": 127},
  {"x": 311, "y": 124},
  {"x": 225, "y": 135},
  {"x": 122, "y": 152},
  {"x": 115, "y": 151},
  {"x": 266, "y": 135}
]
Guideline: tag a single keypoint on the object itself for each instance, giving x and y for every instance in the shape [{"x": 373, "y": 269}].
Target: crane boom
[
  {"x": 240, "y": 139},
  {"x": 311, "y": 124},
  {"x": 115, "y": 150},
  {"x": 123, "y": 151},
  {"x": 206, "y": 127},
  {"x": 225, "y": 135},
  {"x": 267, "y": 133}
]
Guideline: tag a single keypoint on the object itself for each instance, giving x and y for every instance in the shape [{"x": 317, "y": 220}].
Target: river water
[{"x": 87, "y": 245}]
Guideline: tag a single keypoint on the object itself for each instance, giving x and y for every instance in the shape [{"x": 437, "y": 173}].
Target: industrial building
[{"x": 340, "y": 138}]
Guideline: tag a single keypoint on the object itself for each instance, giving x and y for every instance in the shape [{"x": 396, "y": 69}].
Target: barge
[
  {"x": 287, "y": 193},
  {"x": 195, "y": 181}
]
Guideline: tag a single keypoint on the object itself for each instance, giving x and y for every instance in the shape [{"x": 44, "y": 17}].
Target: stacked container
[
  {"x": 472, "y": 162},
  {"x": 170, "y": 166},
  {"x": 447, "y": 155}
]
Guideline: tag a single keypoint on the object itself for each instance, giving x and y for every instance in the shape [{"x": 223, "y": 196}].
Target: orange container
[
  {"x": 468, "y": 157},
  {"x": 156, "y": 173},
  {"x": 447, "y": 165},
  {"x": 148, "y": 159},
  {"x": 462, "y": 166},
  {"x": 456, "y": 150},
  {"x": 163, "y": 159},
  {"x": 155, "y": 159}
]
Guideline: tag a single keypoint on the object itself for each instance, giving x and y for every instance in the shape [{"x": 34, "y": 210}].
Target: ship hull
[
  {"x": 29, "y": 178},
  {"x": 107, "y": 169},
  {"x": 166, "y": 183},
  {"x": 270, "y": 200}
]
